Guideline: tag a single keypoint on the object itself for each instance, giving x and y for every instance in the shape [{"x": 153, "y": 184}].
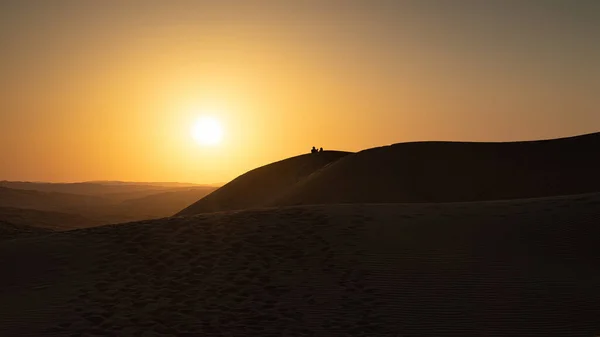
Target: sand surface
[{"x": 520, "y": 268}]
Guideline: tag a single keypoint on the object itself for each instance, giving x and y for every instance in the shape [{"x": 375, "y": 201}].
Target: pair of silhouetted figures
[{"x": 314, "y": 150}]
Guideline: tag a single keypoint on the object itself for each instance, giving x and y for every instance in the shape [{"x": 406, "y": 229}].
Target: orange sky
[{"x": 109, "y": 91}]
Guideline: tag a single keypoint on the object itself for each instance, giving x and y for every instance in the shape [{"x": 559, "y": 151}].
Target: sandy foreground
[{"x": 522, "y": 267}]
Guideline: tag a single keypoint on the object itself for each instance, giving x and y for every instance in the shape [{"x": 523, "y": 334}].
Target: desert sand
[
  {"x": 420, "y": 172},
  {"x": 497, "y": 268}
]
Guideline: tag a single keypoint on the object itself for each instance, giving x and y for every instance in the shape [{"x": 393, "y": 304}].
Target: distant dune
[
  {"x": 163, "y": 204},
  {"x": 496, "y": 268},
  {"x": 46, "y": 201},
  {"x": 264, "y": 185},
  {"x": 421, "y": 172},
  {"x": 96, "y": 204},
  {"x": 98, "y": 188},
  {"x": 30, "y": 218}
]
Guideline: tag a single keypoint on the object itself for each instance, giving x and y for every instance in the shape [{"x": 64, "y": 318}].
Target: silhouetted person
[
  {"x": 313, "y": 150},
  {"x": 321, "y": 150}
]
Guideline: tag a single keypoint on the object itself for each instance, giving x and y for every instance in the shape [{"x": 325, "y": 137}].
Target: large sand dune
[
  {"x": 423, "y": 172},
  {"x": 264, "y": 185},
  {"x": 497, "y": 268}
]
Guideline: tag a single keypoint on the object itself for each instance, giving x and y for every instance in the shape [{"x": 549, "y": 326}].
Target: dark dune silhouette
[
  {"x": 426, "y": 172},
  {"x": 454, "y": 171},
  {"x": 496, "y": 268},
  {"x": 262, "y": 186}
]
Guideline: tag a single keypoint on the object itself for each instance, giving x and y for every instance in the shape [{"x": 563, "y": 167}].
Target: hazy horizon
[
  {"x": 110, "y": 90},
  {"x": 117, "y": 182}
]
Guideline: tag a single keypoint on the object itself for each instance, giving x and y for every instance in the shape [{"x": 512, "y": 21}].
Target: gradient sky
[{"x": 108, "y": 90}]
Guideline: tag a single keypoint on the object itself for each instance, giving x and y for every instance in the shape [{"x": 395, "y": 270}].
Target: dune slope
[
  {"x": 520, "y": 268},
  {"x": 262, "y": 186}
]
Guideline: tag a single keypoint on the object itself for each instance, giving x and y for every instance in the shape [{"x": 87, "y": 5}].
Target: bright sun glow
[{"x": 207, "y": 131}]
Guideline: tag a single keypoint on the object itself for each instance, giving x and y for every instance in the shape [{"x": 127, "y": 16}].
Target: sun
[{"x": 207, "y": 131}]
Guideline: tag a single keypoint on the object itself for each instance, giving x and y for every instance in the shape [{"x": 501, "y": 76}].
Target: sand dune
[
  {"x": 96, "y": 205},
  {"x": 425, "y": 172},
  {"x": 46, "y": 201},
  {"x": 44, "y": 219},
  {"x": 158, "y": 204},
  {"x": 154, "y": 194},
  {"x": 100, "y": 188},
  {"x": 162, "y": 204},
  {"x": 262, "y": 186},
  {"x": 498, "y": 268}
]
